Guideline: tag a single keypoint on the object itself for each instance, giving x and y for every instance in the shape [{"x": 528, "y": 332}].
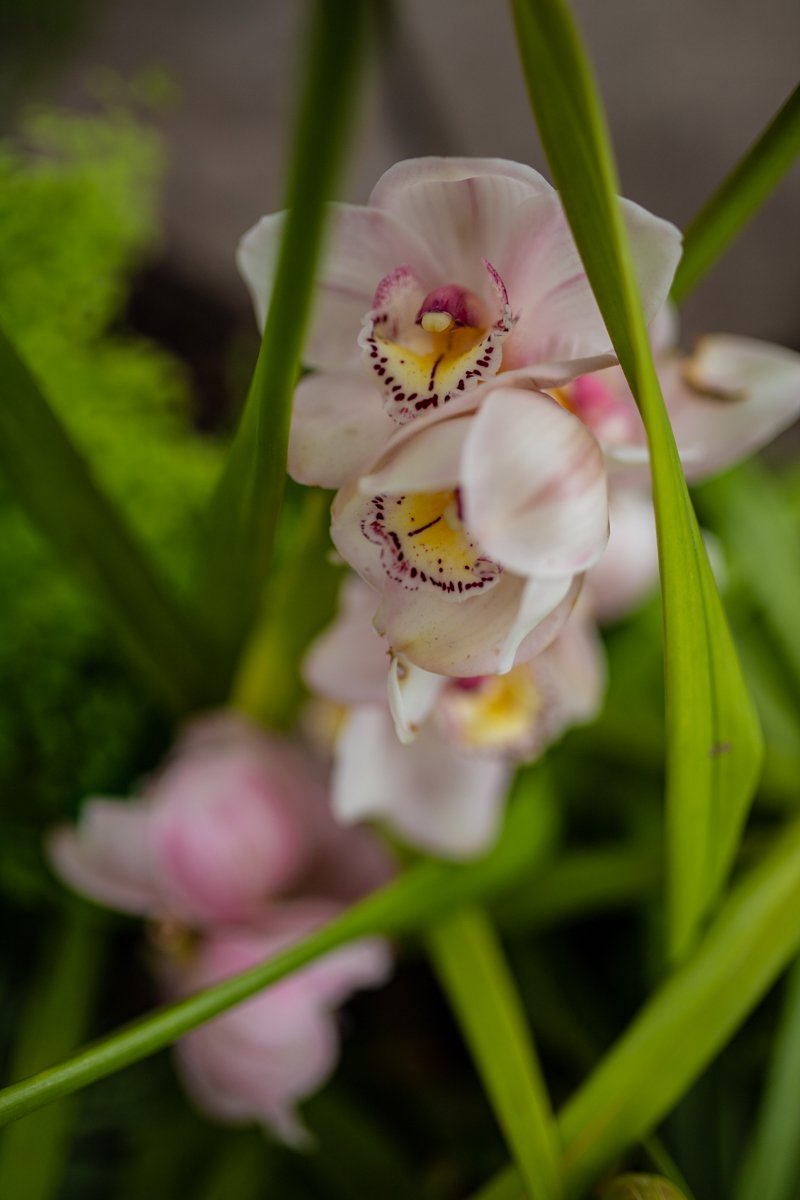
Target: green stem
[
  {"x": 244, "y": 511},
  {"x": 473, "y": 971},
  {"x": 33, "y": 1153},
  {"x": 740, "y": 195}
]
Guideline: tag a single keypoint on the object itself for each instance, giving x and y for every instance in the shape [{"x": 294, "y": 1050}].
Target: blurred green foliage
[{"x": 77, "y": 212}]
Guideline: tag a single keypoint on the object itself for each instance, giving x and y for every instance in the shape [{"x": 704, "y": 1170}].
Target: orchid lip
[
  {"x": 424, "y": 544},
  {"x": 425, "y": 348}
]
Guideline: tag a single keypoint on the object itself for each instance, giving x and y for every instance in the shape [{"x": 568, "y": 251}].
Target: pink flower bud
[
  {"x": 255, "y": 1062},
  {"x": 235, "y": 818}
]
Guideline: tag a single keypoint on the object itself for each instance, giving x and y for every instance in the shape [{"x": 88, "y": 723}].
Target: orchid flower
[
  {"x": 257, "y": 1061},
  {"x": 474, "y": 525},
  {"x": 432, "y": 755},
  {"x": 456, "y": 271},
  {"x": 235, "y": 819},
  {"x": 725, "y": 400}
]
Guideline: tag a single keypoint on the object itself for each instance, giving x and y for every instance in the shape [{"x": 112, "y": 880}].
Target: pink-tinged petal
[
  {"x": 107, "y": 857},
  {"x": 560, "y": 333},
  {"x": 545, "y": 605},
  {"x": 575, "y": 669},
  {"x": 258, "y": 1060},
  {"x": 338, "y": 424},
  {"x": 481, "y": 635},
  {"x": 729, "y": 398},
  {"x": 228, "y": 833},
  {"x": 427, "y": 461},
  {"x": 437, "y": 798},
  {"x": 412, "y": 696},
  {"x": 349, "y": 661},
  {"x": 628, "y": 570},
  {"x": 534, "y": 485},
  {"x": 363, "y": 245},
  {"x": 461, "y": 207}
]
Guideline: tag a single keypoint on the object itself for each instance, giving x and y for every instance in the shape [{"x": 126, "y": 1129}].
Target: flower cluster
[
  {"x": 466, "y": 406},
  {"x": 232, "y": 853}
]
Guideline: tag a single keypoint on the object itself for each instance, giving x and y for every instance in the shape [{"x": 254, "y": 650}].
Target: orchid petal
[
  {"x": 427, "y": 462},
  {"x": 628, "y": 570},
  {"x": 461, "y": 207},
  {"x": 482, "y": 635},
  {"x": 108, "y": 857},
  {"x": 732, "y": 396},
  {"x": 559, "y": 325},
  {"x": 364, "y": 245},
  {"x": 348, "y": 661},
  {"x": 338, "y": 423},
  {"x": 545, "y": 606},
  {"x": 412, "y": 695},
  {"x": 534, "y": 485},
  {"x": 439, "y": 799}
]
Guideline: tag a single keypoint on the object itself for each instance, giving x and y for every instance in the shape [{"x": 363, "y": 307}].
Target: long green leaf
[
  {"x": 55, "y": 485},
  {"x": 713, "y": 741},
  {"x": 33, "y": 1153},
  {"x": 739, "y": 196},
  {"x": 772, "y": 1164},
  {"x": 472, "y": 968},
  {"x": 425, "y": 893},
  {"x": 244, "y": 510},
  {"x": 684, "y": 1024}
]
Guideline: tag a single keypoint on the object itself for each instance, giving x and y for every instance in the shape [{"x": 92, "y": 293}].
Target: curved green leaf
[
  {"x": 714, "y": 745},
  {"x": 739, "y": 196}
]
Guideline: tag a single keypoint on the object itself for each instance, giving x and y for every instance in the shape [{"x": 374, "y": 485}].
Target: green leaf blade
[
  {"x": 473, "y": 971},
  {"x": 713, "y": 740},
  {"x": 53, "y": 482},
  {"x": 243, "y": 516},
  {"x": 739, "y": 196}
]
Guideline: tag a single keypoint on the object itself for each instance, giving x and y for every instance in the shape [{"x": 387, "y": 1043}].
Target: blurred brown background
[{"x": 687, "y": 83}]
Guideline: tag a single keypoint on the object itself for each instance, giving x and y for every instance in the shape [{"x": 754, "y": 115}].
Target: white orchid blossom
[
  {"x": 433, "y": 756},
  {"x": 456, "y": 271},
  {"x": 474, "y": 526}
]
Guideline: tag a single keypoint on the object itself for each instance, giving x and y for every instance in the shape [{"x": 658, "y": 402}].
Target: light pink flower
[
  {"x": 235, "y": 818},
  {"x": 434, "y": 756},
  {"x": 456, "y": 270},
  {"x": 726, "y": 400},
  {"x": 474, "y": 526},
  {"x": 258, "y": 1060}
]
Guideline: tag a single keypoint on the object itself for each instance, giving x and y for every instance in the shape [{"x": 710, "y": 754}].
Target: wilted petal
[
  {"x": 628, "y": 570},
  {"x": 348, "y": 662},
  {"x": 107, "y": 857},
  {"x": 729, "y": 398},
  {"x": 338, "y": 424},
  {"x": 363, "y": 245},
  {"x": 437, "y": 798},
  {"x": 461, "y": 207},
  {"x": 534, "y": 485},
  {"x": 412, "y": 695},
  {"x": 560, "y": 333}
]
